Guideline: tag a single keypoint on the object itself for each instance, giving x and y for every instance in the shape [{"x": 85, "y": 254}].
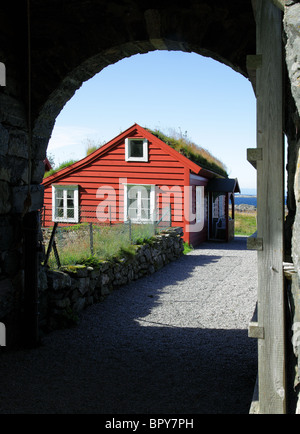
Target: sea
[{"x": 246, "y": 199}]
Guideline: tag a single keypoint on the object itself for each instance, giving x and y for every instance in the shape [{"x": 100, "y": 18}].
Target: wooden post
[
  {"x": 91, "y": 239},
  {"x": 50, "y": 245},
  {"x": 270, "y": 210}
]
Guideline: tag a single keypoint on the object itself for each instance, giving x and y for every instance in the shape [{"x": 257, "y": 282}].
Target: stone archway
[
  {"x": 58, "y": 46},
  {"x": 49, "y": 48}
]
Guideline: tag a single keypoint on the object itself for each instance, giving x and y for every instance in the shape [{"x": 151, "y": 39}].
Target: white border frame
[
  {"x": 152, "y": 203},
  {"x": 65, "y": 219},
  {"x": 144, "y": 158}
]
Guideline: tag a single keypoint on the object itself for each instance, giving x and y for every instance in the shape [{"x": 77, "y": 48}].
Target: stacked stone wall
[{"x": 65, "y": 293}]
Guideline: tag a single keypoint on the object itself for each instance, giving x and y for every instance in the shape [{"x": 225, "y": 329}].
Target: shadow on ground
[{"x": 117, "y": 362}]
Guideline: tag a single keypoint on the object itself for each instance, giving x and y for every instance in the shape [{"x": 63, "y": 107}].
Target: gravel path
[{"x": 172, "y": 343}]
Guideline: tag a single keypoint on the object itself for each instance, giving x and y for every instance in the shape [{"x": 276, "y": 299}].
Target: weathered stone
[
  {"x": 104, "y": 279},
  {"x": 4, "y": 138},
  {"x": 12, "y": 112},
  {"x": 38, "y": 171},
  {"x": 10, "y": 263},
  {"x": 83, "y": 285},
  {"x": 104, "y": 266},
  {"x": 79, "y": 305},
  {"x": 19, "y": 198},
  {"x": 63, "y": 304},
  {"x": 5, "y": 198},
  {"x": 291, "y": 25},
  {"x": 18, "y": 144},
  {"x": 58, "y": 280},
  {"x": 69, "y": 290}
]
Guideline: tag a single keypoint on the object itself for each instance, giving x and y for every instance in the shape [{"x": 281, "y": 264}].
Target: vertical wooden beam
[{"x": 270, "y": 209}]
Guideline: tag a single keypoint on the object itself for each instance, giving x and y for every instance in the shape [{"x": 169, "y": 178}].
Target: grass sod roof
[
  {"x": 193, "y": 152},
  {"x": 181, "y": 144}
]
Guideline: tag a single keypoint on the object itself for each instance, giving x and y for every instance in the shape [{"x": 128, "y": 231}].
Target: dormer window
[{"x": 136, "y": 150}]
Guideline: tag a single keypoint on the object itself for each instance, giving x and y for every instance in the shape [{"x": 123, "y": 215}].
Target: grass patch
[
  {"x": 109, "y": 242},
  {"x": 187, "y": 248},
  {"x": 245, "y": 223},
  {"x": 201, "y": 156},
  {"x": 61, "y": 167}
]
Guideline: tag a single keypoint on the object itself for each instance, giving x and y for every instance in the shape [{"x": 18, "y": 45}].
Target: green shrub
[{"x": 187, "y": 248}]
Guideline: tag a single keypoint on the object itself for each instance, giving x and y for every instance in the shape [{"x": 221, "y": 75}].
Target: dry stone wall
[{"x": 65, "y": 293}]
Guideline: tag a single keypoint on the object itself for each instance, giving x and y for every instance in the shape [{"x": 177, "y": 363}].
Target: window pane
[
  {"x": 138, "y": 202},
  {"x": 70, "y": 194},
  {"x": 59, "y": 203},
  {"x": 59, "y": 212},
  {"x": 70, "y": 203},
  {"x": 136, "y": 148},
  {"x": 133, "y": 213},
  {"x": 145, "y": 192},
  {"x": 145, "y": 203},
  {"x": 145, "y": 214},
  {"x": 70, "y": 213},
  {"x": 145, "y": 209}
]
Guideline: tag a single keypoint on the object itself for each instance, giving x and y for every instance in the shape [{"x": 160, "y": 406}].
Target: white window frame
[
  {"x": 128, "y": 142},
  {"x": 139, "y": 219},
  {"x": 65, "y": 189},
  {"x": 199, "y": 203}
]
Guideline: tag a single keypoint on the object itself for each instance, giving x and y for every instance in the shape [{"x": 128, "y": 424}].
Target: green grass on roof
[
  {"x": 61, "y": 167},
  {"x": 193, "y": 152},
  {"x": 181, "y": 144}
]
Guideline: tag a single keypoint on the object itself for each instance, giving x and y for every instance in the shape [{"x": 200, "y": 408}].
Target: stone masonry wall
[
  {"x": 65, "y": 293},
  {"x": 292, "y": 130}
]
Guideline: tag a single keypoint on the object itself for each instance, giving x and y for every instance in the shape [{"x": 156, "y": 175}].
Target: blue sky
[{"x": 178, "y": 91}]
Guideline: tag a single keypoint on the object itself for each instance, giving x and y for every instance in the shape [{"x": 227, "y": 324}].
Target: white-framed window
[
  {"x": 136, "y": 150},
  {"x": 139, "y": 203},
  {"x": 65, "y": 203}
]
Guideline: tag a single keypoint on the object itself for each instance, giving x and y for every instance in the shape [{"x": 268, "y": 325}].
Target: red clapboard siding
[{"x": 107, "y": 167}]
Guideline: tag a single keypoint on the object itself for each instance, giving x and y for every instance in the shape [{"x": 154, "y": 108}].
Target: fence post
[
  {"x": 50, "y": 245},
  {"x": 129, "y": 228},
  {"x": 91, "y": 239},
  {"x": 56, "y": 254}
]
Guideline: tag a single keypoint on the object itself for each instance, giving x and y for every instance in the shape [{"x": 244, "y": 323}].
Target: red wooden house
[{"x": 137, "y": 176}]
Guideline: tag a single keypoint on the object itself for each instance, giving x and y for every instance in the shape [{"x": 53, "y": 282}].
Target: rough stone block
[
  {"x": 104, "y": 279},
  {"x": 18, "y": 144},
  {"x": 59, "y": 280},
  {"x": 63, "y": 304},
  {"x": 5, "y": 197},
  {"x": 291, "y": 25},
  {"x": 11, "y": 262},
  {"x": 79, "y": 305},
  {"x": 19, "y": 196},
  {"x": 83, "y": 285},
  {"x": 4, "y": 139}
]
